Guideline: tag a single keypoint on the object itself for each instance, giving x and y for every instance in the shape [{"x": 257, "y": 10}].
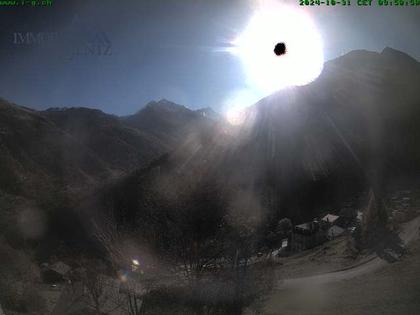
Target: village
[{"x": 320, "y": 245}]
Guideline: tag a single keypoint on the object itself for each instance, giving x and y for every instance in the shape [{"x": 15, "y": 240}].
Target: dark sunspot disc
[{"x": 280, "y": 49}]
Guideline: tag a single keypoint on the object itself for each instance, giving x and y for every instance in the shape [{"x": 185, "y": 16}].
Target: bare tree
[{"x": 90, "y": 287}]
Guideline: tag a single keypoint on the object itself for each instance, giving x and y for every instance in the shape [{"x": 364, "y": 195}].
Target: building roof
[
  {"x": 330, "y": 218},
  {"x": 60, "y": 267},
  {"x": 304, "y": 226}
]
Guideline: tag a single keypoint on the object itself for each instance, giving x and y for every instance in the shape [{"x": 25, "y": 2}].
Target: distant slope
[
  {"x": 169, "y": 122},
  {"x": 52, "y": 160},
  {"x": 36, "y": 154},
  {"x": 374, "y": 101},
  {"x": 74, "y": 147},
  {"x": 120, "y": 147},
  {"x": 314, "y": 146}
]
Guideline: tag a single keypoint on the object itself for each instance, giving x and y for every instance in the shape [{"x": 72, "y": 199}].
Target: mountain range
[
  {"x": 299, "y": 152},
  {"x": 302, "y": 151}
]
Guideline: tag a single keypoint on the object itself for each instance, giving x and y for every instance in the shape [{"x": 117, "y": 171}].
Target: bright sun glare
[{"x": 266, "y": 72}]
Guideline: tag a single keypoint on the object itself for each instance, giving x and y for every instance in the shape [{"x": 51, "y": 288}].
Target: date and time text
[{"x": 380, "y": 3}]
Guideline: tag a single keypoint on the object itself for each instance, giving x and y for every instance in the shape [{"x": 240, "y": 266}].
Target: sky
[{"x": 172, "y": 49}]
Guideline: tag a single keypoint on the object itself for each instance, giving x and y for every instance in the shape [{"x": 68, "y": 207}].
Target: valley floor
[{"x": 375, "y": 287}]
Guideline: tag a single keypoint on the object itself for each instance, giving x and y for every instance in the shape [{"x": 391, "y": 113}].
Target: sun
[{"x": 271, "y": 27}]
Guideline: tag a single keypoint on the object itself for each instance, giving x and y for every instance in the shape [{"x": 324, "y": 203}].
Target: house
[
  {"x": 335, "y": 231},
  {"x": 307, "y": 235},
  {"x": 307, "y": 228},
  {"x": 54, "y": 273}
]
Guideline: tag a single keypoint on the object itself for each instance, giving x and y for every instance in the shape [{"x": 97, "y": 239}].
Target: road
[{"x": 409, "y": 232}]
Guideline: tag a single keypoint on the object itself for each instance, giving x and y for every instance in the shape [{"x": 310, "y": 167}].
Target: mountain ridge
[
  {"x": 299, "y": 151},
  {"x": 304, "y": 149}
]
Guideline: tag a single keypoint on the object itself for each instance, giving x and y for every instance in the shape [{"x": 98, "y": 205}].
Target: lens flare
[
  {"x": 272, "y": 24},
  {"x": 267, "y": 71},
  {"x": 237, "y": 103}
]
